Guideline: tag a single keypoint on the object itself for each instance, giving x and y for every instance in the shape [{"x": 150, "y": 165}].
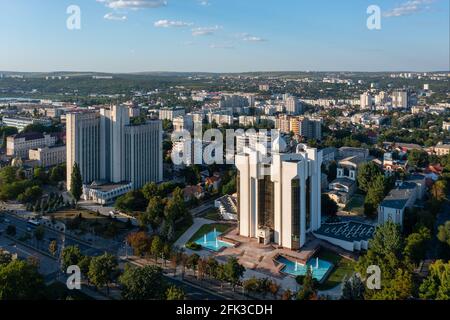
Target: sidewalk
[{"x": 198, "y": 222}]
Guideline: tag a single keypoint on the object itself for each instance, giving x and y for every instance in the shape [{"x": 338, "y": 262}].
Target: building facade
[
  {"x": 48, "y": 156},
  {"x": 18, "y": 145},
  {"x": 108, "y": 148},
  {"x": 279, "y": 202}
]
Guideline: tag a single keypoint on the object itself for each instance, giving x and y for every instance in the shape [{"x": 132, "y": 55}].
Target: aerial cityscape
[{"x": 225, "y": 150}]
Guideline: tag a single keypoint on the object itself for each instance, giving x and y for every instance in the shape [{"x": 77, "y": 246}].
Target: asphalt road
[
  {"x": 194, "y": 293},
  {"x": 23, "y": 227}
]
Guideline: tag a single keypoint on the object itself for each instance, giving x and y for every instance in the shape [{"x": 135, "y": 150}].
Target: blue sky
[{"x": 224, "y": 35}]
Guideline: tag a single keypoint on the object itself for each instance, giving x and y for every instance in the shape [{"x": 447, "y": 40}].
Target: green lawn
[
  {"x": 206, "y": 228},
  {"x": 342, "y": 267},
  {"x": 356, "y": 204},
  {"x": 181, "y": 227},
  {"x": 90, "y": 221}
]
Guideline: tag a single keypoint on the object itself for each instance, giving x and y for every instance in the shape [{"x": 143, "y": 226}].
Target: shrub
[{"x": 193, "y": 246}]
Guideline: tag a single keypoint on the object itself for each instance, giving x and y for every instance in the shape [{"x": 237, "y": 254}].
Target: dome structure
[{"x": 279, "y": 144}]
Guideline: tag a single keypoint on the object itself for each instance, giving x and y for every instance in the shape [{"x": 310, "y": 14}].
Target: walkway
[{"x": 198, "y": 223}]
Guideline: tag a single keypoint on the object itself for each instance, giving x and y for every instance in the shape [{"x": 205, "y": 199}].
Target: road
[
  {"x": 23, "y": 228},
  {"x": 194, "y": 293}
]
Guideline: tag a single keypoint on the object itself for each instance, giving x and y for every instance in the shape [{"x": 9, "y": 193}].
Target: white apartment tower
[
  {"x": 366, "y": 101},
  {"x": 279, "y": 202},
  {"x": 293, "y": 106}
]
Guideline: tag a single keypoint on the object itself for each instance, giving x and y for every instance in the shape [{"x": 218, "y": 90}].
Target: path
[{"x": 198, "y": 223}]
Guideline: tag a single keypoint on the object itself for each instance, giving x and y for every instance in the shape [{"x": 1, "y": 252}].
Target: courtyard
[{"x": 328, "y": 265}]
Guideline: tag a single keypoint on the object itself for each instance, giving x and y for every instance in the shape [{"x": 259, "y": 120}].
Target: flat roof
[
  {"x": 347, "y": 231},
  {"x": 106, "y": 186}
]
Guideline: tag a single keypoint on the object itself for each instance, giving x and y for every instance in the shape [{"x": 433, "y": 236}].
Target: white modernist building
[
  {"x": 279, "y": 202},
  {"x": 108, "y": 148}
]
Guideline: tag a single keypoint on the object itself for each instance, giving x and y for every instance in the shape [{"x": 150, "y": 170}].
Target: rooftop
[
  {"x": 106, "y": 186},
  {"x": 398, "y": 197},
  {"x": 347, "y": 231}
]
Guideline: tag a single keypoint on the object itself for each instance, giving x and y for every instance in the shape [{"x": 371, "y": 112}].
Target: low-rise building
[
  {"x": 171, "y": 113},
  {"x": 344, "y": 186},
  {"x": 403, "y": 196},
  {"x": 18, "y": 145},
  {"x": 103, "y": 193},
  {"x": 48, "y": 156},
  {"x": 21, "y": 122}
]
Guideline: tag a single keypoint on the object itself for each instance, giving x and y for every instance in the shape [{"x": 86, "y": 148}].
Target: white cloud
[
  {"x": 167, "y": 24},
  {"x": 250, "y": 38},
  {"x": 133, "y": 4},
  {"x": 204, "y": 3},
  {"x": 112, "y": 16},
  {"x": 408, "y": 8},
  {"x": 205, "y": 31},
  {"x": 254, "y": 39},
  {"x": 221, "y": 46}
]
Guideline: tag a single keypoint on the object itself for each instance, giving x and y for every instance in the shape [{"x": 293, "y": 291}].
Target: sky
[{"x": 223, "y": 35}]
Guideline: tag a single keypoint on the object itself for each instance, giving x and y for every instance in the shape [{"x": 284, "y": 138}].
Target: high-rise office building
[
  {"x": 108, "y": 148},
  {"x": 83, "y": 145},
  {"x": 279, "y": 202}
]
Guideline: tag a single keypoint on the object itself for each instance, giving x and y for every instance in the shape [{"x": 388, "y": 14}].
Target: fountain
[
  {"x": 204, "y": 239},
  {"x": 217, "y": 243},
  {"x": 296, "y": 266},
  {"x": 317, "y": 263}
]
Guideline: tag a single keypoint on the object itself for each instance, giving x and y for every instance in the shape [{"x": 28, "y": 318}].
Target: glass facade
[
  {"x": 266, "y": 206},
  {"x": 296, "y": 200}
]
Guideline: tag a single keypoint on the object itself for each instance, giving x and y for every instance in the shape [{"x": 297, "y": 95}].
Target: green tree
[
  {"x": 154, "y": 214},
  {"x": 353, "y": 288},
  {"x": 150, "y": 190},
  {"x": 131, "y": 201},
  {"x": 102, "y": 270},
  {"x": 375, "y": 194},
  {"x": 175, "y": 293},
  {"x": 443, "y": 234},
  {"x": 387, "y": 239},
  {"x": 156, "y": 247},
  {"x": 437, "y": 285},
  {"x": 308, "y": 290},
  {"x": 30, "y": 194},
  {"x": 142, "y": 283},
  {"x": 20, "y": 280},
  {"x": 233, "y": 271},
  {"x": 416, "y": 245},
  {"x": 76, "y": 184},
  {"x": 140, "y": 242},
  {"x": 399, "y": 288},
  {"x": 40, "y": 175},
  {"x": 366, "y": 175},
  {"x": 439, "y": 190},
  {"x": 417, "y": 158},
  {"x": 71, "y": 255}
]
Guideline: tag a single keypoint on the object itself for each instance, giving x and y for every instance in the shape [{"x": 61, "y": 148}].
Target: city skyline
[{"x": 123, "y": 36}]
